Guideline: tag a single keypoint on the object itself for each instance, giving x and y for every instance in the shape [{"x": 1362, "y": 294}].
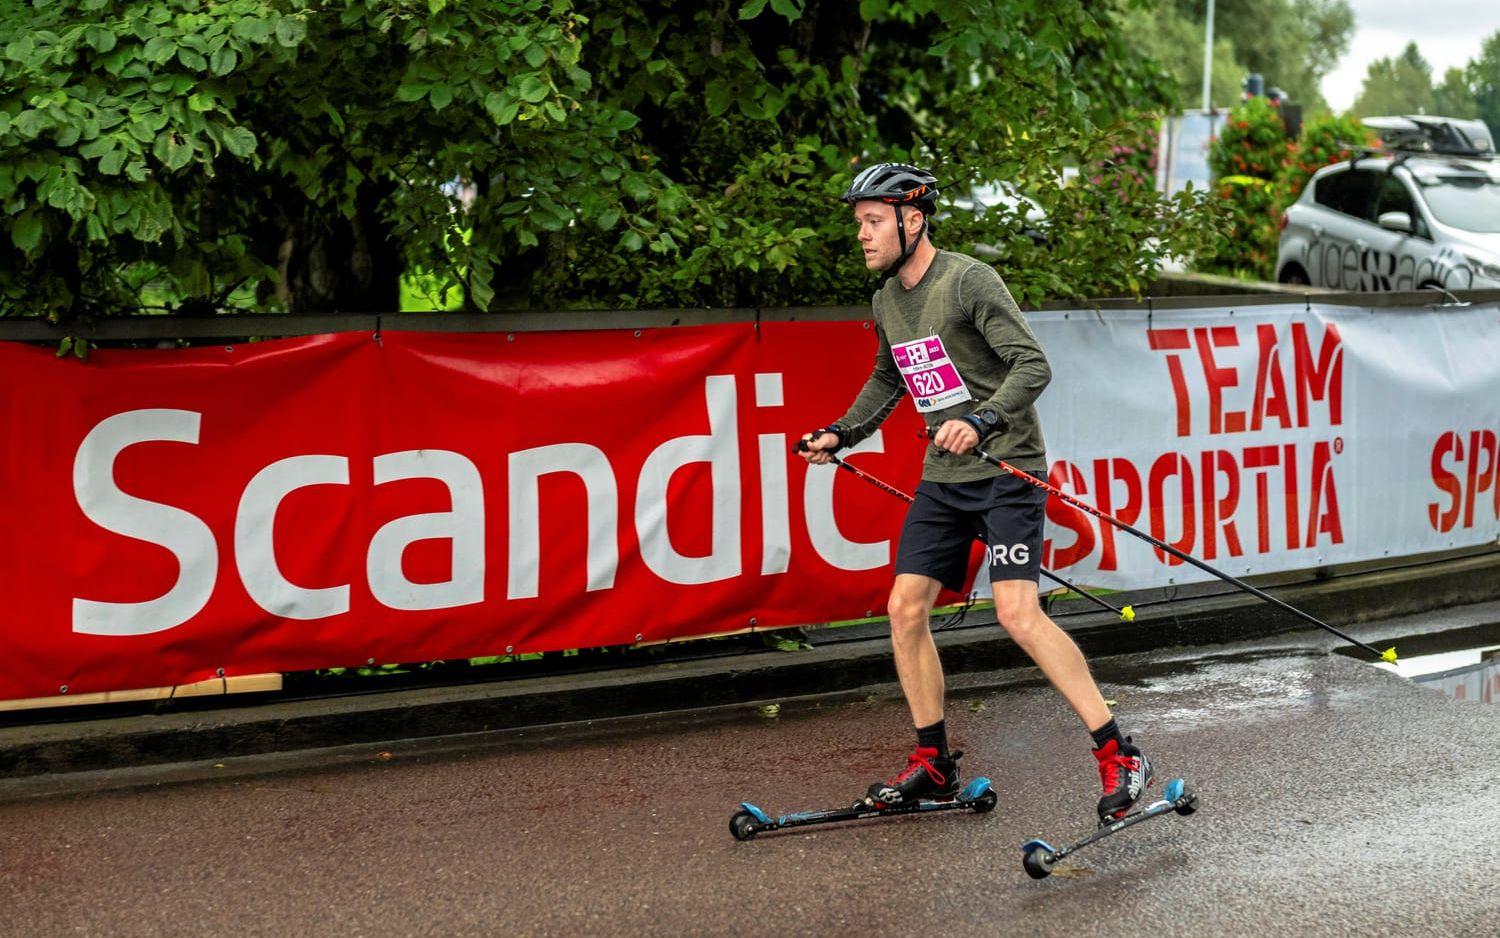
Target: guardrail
[{"x": 265, "y": 325}]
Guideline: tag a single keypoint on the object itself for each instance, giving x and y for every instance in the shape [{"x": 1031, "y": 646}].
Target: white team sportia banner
[{"x": 1270, "y": 438}]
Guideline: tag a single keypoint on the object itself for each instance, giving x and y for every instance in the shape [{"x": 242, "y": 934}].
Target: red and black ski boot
[
  {"x": 927, "y": 776},
  {"x": 1125, "y": 772}
]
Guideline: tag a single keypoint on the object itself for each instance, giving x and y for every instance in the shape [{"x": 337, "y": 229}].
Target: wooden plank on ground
[{"x": 239, "y": 684}]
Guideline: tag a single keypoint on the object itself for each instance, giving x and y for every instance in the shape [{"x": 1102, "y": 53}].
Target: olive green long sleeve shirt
[{"x": 964, "y": 303}]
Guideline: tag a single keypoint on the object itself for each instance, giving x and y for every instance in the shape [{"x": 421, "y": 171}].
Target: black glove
[{"x": 833, "y": 428}]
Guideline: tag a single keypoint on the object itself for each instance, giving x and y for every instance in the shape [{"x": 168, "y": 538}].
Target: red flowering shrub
[{"x": 1250, "y": 151}]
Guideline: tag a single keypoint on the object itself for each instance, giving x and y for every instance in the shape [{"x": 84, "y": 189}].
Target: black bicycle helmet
[{"x": 897, "y": 184}]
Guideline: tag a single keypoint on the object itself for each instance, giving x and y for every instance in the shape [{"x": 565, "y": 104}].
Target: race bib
[{"x": 929, "y": 374}]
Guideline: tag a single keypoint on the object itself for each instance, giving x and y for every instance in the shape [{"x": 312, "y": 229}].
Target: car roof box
[{"x": 1447, "y": 136}]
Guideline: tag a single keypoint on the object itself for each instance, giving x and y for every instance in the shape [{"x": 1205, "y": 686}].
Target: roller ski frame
[
  {"x": 977, "y": 796},
  {"x": 1038, "y": 856}
]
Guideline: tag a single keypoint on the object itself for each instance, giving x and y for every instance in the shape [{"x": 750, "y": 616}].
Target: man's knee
[
  {"x": 904, "y": 607},
  {"x": 1018, "y": 612},
  {"x": 909, "y": 611}
]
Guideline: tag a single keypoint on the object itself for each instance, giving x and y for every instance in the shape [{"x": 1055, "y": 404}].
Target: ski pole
[
  {"x": 1127, "y": 613},
  {"x": 1388, "y": 655}
]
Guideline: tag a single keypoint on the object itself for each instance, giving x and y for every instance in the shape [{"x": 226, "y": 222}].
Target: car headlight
[{"x": 1487, "y": 269}]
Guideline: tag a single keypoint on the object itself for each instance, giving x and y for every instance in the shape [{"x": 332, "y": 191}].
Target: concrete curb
[{"x": 159, "y": 739}]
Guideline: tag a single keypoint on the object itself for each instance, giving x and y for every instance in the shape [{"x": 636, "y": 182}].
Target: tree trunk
[{"x": 331, "y": 263}]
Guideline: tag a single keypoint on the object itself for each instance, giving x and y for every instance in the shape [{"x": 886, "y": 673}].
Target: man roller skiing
[{"x": 951, "y": 336}]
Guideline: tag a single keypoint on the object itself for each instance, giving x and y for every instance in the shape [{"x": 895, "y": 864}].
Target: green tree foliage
[
  {"x": 297, "y": 154},
  {"x": 294, "y": 147},
  {"x": 1325, "y": 140},
  {"x": 1293, "y": 44},
  {"x": 1245, "y": 160},
  {"x": 1474, "y": 90},
  {"x": 1453, "y": 97},
  {"x": 1176, "y": 41},
  {"x": 1400, "y": 85},
  {"x": 1484, "y": 81}
]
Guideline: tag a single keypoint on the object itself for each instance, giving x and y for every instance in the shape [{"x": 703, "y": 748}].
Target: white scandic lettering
[
  {"x": 255, "y": 536},
  {"x": 183, "y": 533},
  {"x": 526, "y": 468},
  {"x": 768, "y": 392},
  {"x": 775, "y": 512},
  {"x": 462, "y": 526},
  {"x": 823, "y": 528},
  {"x": 720, "y": 449}
]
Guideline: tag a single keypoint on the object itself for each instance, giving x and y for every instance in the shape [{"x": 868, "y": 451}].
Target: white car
[{"x": 1402, "y": 219}]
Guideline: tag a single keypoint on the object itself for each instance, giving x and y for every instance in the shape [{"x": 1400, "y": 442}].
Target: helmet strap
[{"x": 906, "y": 251}]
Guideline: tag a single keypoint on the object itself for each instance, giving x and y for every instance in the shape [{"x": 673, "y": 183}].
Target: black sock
[
  {"x": 934, "y": 737},
  {"x": 1105, "y": 733}
]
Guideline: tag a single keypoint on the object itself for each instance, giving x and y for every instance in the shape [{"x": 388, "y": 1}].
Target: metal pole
[
  {"x": 1208, "y": 55},
  {"x": 1388, "y": 655}
]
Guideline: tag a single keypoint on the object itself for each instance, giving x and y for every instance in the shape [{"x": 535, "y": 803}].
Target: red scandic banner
[{"x": 320, "y": 502}]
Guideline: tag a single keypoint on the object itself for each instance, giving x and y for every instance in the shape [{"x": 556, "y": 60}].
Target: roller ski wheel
[
  {"x": 977, "y": 796},
  {"x": 1185, "y": 798},
  {"x": 1038, "y": 860},
  {"x": 742, "y": 825},
  {"x": 1039, "y": 857},
  {"x": 986, "y": 802}
]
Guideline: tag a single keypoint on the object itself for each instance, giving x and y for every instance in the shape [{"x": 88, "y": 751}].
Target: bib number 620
[{"x": 928, "y": 383}]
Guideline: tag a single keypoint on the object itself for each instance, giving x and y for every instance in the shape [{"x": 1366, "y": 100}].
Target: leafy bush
[
  {"x": 1252, "y": 143},
  {"x": 1245, "y": 159},
  {"x": 1325, "y": 140}
]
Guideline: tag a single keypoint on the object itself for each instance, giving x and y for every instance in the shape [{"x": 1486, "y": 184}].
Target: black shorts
[{"x": 1007, "y": 512}]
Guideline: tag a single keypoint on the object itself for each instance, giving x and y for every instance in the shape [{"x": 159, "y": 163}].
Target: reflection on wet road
[{"x": 1464, "y": 674}]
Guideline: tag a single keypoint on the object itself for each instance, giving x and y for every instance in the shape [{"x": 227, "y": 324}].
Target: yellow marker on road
[
  {"x": 1389, "y": 655},
  {"x": 1128, "y": 613}
]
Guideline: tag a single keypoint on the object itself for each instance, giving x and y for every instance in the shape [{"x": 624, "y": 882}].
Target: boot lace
[
  {"x": 917, "y": 761},
  {"x": 1109, "y": 772},
  {"x": 1110, "y": 768}
]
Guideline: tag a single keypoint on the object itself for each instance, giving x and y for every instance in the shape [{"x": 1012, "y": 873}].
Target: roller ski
[
  {"x": 1039, "y": 857},
  {"x": 928, "y": 783}
]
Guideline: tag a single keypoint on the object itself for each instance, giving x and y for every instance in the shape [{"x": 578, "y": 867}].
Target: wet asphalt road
[{"x": 1337, "y": 800}]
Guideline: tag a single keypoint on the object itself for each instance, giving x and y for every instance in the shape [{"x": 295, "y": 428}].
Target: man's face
[{"x": 877, "y": 231}]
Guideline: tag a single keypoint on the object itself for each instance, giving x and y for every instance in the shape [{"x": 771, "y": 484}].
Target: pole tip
[
  {"x": 1128, "y": 613},
  {"x": 1389, "y": 655}
]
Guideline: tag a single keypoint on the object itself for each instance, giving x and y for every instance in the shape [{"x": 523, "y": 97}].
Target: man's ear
[{"x": 914, "y": 221}]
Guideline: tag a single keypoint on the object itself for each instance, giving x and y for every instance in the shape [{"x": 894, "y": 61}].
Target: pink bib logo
[{"x": 929, "y": 374}]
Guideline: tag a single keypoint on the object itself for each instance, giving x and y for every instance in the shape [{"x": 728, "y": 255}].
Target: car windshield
[{"x": 1470, "y": 202}]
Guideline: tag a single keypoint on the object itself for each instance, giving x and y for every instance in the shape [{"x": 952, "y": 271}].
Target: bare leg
[
  {"x": 1017, "y": 608},
  {"x": 917, "y": 664}
]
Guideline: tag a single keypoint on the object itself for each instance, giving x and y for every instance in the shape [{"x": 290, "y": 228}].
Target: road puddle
[{"x": 1463, "y": 674}]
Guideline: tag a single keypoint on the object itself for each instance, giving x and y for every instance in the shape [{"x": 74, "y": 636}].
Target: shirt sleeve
[
  {"x": 996, "y": 316},
  {"x": 883, "y": 390}
]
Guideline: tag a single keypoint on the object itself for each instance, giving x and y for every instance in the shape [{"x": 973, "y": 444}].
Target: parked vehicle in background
[{"x": 1421, "y": 212}]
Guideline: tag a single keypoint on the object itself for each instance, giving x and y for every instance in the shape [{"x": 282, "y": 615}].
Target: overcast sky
[{"x": 1448, "y": 33}]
